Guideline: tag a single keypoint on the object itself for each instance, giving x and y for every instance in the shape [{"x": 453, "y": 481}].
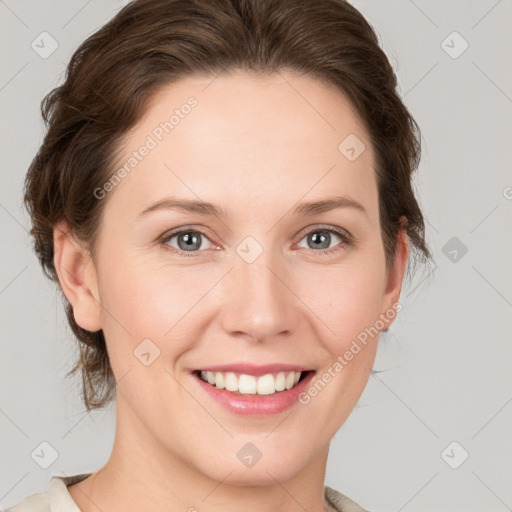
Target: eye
[
  {"x": 187, "y": 240},
  {"x": 191, "y": 241},
  {"x": 321, "y": 238}
]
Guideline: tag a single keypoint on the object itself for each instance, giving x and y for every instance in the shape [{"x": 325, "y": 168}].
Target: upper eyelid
[
  {"x": 168, "y": 235},
  {"x": 325, "y": 227}
]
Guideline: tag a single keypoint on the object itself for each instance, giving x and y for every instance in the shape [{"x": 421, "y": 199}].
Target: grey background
[{"x": 446, "y": 360}]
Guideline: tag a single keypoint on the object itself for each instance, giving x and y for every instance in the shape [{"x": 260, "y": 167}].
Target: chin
[
  {"x": 259, "y": 475},
  {"x": 268, "y": 470}
]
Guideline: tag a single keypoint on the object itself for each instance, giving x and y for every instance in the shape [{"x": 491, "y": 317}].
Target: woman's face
[{"x": 247, "y": 285}]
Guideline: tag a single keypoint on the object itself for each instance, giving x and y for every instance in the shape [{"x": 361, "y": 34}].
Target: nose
[{"x": 259, "y": 303}]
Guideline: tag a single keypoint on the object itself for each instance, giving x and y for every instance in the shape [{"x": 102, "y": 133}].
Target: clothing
[{"x": 58, "y": 499}]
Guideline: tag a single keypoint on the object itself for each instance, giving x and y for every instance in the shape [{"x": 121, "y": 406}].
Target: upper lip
[{"x": 256, "y": 370}]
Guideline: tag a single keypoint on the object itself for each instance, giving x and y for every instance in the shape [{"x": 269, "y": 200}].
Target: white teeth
[
  {"x": 249, "y": 384},
  {"x": 266, "y": 385},
  {"x": 231, "y": 382},
  {"x": 219, "y": 380},
  {"x": 290, "y": 379},
  {"x": 280, "y": 382}
]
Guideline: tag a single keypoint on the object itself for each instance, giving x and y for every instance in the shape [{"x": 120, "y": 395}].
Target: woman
[{"x": 224, "y": 198}]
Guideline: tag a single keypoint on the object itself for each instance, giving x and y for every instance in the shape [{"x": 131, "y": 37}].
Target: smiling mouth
[{"x": 244, "y": 384}]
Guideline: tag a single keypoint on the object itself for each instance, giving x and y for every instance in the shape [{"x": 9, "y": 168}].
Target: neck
[{"x": 141, "y": 473}]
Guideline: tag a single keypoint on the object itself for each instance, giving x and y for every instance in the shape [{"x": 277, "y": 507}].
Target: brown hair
[{"x": 150, "y": 43}]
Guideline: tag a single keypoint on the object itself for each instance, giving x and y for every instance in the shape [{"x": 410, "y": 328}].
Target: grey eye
[
  {"x": 187, "y": 240},
  {"x": 320, "y": 239}
]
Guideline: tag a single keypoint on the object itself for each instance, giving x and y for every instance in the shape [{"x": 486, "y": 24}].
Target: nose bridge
[{"x": 258, "y": 302}]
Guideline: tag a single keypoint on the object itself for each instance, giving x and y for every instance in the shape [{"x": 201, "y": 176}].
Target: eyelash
[{"x": 347, "y": 240}]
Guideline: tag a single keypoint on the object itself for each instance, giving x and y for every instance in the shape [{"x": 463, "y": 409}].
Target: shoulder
[
  {"x": 58, "y": 499},
  {"x": 55, "y": 499},
  {"x": 33, "y": 503},
  {"x": 341, "y": 502}
]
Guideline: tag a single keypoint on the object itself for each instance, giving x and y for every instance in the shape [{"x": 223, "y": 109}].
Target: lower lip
[{"x": 256, "y": 405}]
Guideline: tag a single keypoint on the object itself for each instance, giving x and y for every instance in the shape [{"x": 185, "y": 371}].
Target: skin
[{"x": 255, "y": 146}]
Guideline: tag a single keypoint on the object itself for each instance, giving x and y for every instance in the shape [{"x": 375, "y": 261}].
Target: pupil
[
  {"x": 325, "y": 237},
  {"x": 191, "y": 241}
]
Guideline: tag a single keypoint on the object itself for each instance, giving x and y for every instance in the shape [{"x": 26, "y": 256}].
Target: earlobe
[{"x": 77, "y": 277}]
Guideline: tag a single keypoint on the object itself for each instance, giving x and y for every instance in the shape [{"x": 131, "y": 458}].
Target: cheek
[
  {"x": 142, "y": 300},
  {"x": 347, "y": 299}
]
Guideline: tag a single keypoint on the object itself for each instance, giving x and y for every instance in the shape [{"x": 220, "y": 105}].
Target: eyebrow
[{"x": 205, "y": 208}]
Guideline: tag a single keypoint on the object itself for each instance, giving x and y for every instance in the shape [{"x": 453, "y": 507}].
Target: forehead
[{"x": 256, "y": 137}]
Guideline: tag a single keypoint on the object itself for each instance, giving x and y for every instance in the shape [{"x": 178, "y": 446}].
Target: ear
[
  {"x": 77, "y": 277},
  {"x": 396, "y": 272}
]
